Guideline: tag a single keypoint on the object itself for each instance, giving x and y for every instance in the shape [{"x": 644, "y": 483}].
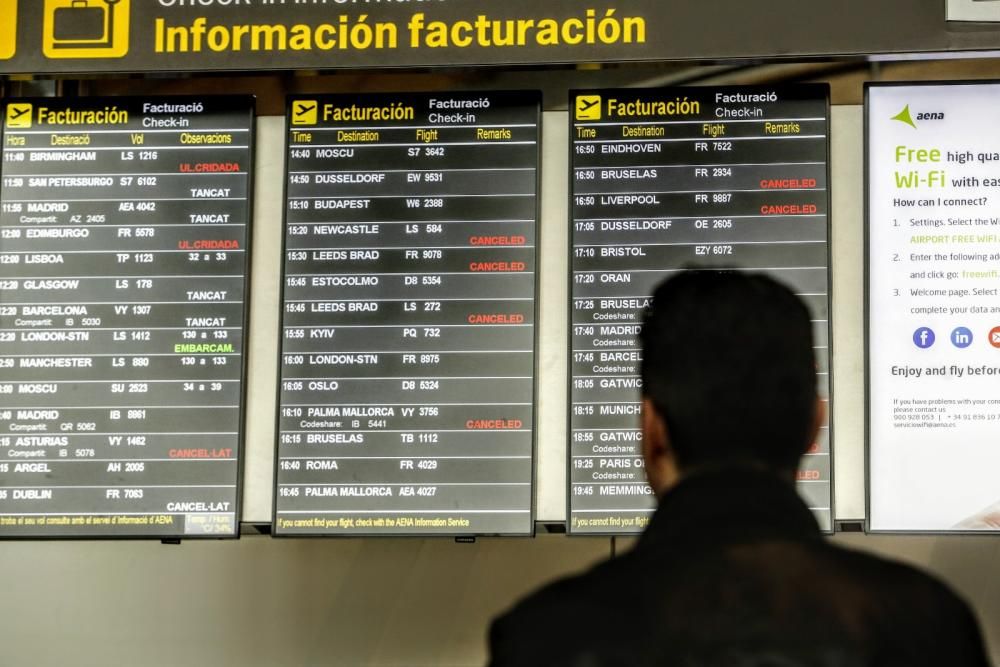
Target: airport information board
[
  {"x": 407, "y": 354},
  {"x": 933, "y": 167},
  {"x": 665, "y": 179},
  {"x": 123, "y": 258}
]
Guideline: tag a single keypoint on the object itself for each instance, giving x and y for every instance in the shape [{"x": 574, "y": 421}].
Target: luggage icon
[
  {"x": 86, "y": 28},
  {"x": 82, "y": 24}
]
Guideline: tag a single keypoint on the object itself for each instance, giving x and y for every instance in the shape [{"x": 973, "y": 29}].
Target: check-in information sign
[
  {"x": 184, "y": 35},
  {"x": 66, "y": 36},
  {"x": 663, "y": 179},
  {"x": 934, "y": 307},
  {"x": 407, "y": 356},
  {"x": 123, "y": 254}
]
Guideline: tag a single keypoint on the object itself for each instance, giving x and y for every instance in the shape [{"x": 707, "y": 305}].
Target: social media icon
[
  {"x": 588, "y": 107},
  {"x": 19, "y": 116},
  {"x": 86, "y": 28},
  {"x": 961, "y": 337},
  {"x": 8, "y": 28},
  {"x": 304, "y": 112},
  {"x": 994, "y": 337},
  {"x": 923, "y": 337}
]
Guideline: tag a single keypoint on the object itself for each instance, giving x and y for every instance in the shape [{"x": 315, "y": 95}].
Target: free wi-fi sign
[{"x": 86, "y": 28}]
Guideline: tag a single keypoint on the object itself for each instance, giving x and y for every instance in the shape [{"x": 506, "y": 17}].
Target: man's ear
[
  {"x": 661, "y": 465},
  {"x": 819, "y": 419}
]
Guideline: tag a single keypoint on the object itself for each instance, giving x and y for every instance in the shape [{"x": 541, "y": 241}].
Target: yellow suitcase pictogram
[
  {"x": 8, "y": 28},
  {"x": 86, "y": 28}
]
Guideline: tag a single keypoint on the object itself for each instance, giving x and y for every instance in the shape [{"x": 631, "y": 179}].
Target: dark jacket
[{"x": 733, "y": 572}]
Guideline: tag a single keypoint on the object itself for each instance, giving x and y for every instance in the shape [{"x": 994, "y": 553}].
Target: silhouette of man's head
[{"x": 729, "y": 372}]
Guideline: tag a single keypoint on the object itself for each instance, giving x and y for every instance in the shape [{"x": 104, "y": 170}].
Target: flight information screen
[
  {"x": 407, "y": 355},
  {"x": 123, "y": 258},
  {"x": 662, "y": 180}
]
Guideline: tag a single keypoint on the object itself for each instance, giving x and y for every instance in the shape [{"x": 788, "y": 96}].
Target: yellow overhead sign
[
  {"x": 224, "y": 35},
  {"x": 8, "y": 28}
]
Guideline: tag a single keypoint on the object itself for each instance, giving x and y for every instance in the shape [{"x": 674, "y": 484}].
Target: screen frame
[
  {"x": 571, "y": 172},
  {"x": 868, "y": 86},
  {"x": 532, "y": 97},
  {"x": 229, "y": 104}
]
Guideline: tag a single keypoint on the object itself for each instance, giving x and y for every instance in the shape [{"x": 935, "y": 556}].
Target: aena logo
[{"x": 905, "y": 116}]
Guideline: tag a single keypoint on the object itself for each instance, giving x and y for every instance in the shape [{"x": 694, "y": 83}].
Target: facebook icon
[
  {"x": 923, "y": 337},
  {"x": 961, "y": 337}
]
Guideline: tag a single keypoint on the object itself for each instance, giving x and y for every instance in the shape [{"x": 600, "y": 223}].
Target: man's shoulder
[
  {"x": 614, "y": 585},
  {"x": 907, "y": 607},
  {"x": 879, "y": 607},
  {"x": 571, "y": 597},
  {"x": 880, "y": 574},
  {"x": 585, "y": 608}
]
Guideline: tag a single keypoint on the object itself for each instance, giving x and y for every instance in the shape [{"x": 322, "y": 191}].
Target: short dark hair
[{"x": 728, "y": 363}]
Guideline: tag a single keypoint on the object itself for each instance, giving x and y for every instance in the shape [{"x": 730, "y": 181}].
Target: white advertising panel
[{"x": 933, "y": 169}]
